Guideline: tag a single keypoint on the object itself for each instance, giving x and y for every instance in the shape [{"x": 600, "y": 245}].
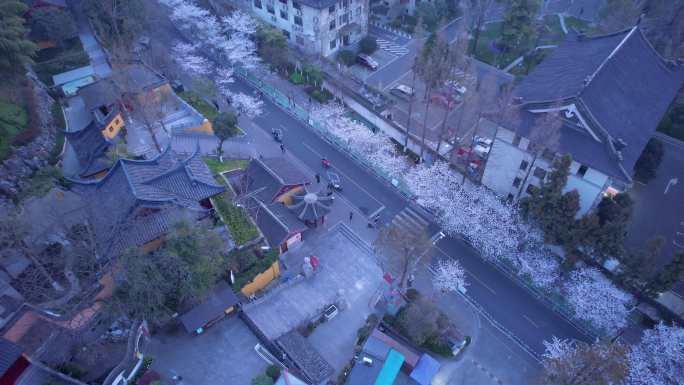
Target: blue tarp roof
[
  {"x": 426, "y": 369},
  {"x": 390, "y": 369}
]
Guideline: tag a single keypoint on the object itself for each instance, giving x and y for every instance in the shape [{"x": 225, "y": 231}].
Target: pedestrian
[
  {"x": 282, "y": 148},
  {"x": 318, "y": 178},
  {"x": 351, "y": 216}
]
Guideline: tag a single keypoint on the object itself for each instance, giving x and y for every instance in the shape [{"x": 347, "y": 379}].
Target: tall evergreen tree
[
  {"x": 518, "y": 27},
  {"x": 15, "y": 48},
  {"x": 553, "y": 211}
]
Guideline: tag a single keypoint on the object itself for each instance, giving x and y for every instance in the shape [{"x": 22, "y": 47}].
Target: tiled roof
[
  {"x": 137, "y": 201},
  {"x": 220, "y": 299},
  {"x": 305, "y": 356},
  {"x": 285, "y": 171},
  {"x": 274, "y": 220},
  {"x": 265, "y": 177},
  {"x": 90, "y": 147},
  {"x": 9, "y": 353},
  {"x": 618, "y": 82}
]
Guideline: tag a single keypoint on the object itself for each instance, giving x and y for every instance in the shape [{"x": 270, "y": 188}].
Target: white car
[
  {"x": 481, "y": 150},
  {"x": 403, "y": 91}
]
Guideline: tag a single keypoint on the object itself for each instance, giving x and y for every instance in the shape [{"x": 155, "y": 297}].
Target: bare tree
[
  {"x": 434, "y": 68},
  {"x": 544, "y": 136},
  {"x": 403, "y": 246},
  {"x": 474, "y": 16},
  {"x": 414, "y": 70}
]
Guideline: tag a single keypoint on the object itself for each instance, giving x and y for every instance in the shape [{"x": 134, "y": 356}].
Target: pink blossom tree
[
  {"x": 449, "y": 276},
  {"x": 659, "y": 358}
]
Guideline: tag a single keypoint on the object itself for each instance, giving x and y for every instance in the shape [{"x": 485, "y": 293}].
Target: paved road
[
  {"x": 509, "y": 304},
  {"x": 504, "y": 300}
]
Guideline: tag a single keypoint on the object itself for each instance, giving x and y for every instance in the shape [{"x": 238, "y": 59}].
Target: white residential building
[
  {"x": 316, "y": 26},
  {"x": 611, "y": 92}
]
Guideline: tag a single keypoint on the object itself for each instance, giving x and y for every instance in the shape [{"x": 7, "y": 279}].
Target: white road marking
[
  {"x": 530, "y": 321},
  {"x": 347, "y": 177}
]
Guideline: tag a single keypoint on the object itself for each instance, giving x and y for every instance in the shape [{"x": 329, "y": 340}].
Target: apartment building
[{"x": 316, "y": 26}]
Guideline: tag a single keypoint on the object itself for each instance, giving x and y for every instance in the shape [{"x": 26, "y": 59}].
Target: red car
[{"x": 443, "y": 99}]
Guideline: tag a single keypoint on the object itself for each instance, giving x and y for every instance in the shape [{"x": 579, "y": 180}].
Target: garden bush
[
  {"x": 297, "y": 78},
  {"x": 368, "y": 45},
  {"x": 321, "y": 96},
  {"x": 273, "y": 371},
  {"x": 347, "y": 57}
]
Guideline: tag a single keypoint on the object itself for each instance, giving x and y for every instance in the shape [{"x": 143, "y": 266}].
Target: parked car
[
  {"x": 403, "y": 91},
  {"x": 367, "y": 61},
  {"x": 482, "y": 141},
  {"x": 481, "y": 150},
  {"x": 457, "y": 341}
]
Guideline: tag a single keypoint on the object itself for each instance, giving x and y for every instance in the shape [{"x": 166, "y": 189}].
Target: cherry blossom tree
[
  {"x": 659, "y": 358},
  {"x": 247, "y": 105},
  {"x": 449, "y": 276},
  {"x": 570, "y": 363},
  {"x": 185, "y": 55},
  {"x": 595, "y": 299}
]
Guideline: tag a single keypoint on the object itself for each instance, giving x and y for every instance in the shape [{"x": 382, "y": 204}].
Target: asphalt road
[
  {"x": 509, "y": 304},
  {"x": 502, "y": 299}
]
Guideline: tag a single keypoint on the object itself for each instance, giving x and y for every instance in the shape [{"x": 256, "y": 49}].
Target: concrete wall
[{"x": 503, "y": 166}]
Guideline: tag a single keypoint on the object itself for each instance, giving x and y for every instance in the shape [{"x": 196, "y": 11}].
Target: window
[
  {"x": 523, "y": 165},
  {"x": 333, "y": 43},
  {"x": 283, "y": 14},
  {"x": 296, "y": 5},
  {"x": 539, "y": 172},
  {"x": 331, "y": 9},
  {"x": 257, "y": 4},
  {"x": 516, "y": 182},
  {"x": 283, "y": 1},
  {"x": 287, "y": 34},
  {"x": 516, "y": 140},
  {"x": 332, "y": 24},
  {"x": 345, "y": 3},
  {"x": 110, "y": 128},
  {"x": 270, "y": 9},
  {"x": 531, "y": 189},
  {"x": 298, "y": 20},
  {"x": 582, "y": 170},
  {"x": 300, "y": 40},
  {"x": 358, "y": 11},
  {"x": 509, "y": 198},
  {"x": 117, "y": 121}
]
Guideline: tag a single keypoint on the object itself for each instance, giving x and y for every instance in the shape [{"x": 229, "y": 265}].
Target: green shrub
[
  {"x": 242, "y": 229},
  {"x": 204, "y": 108},
  {"x": 412, "y": 294},
  {"x": 296, "y": 78},
  {"x": 13, "y": 120},
  {"x": 321, "y": 96},
  {"x": 273, "y": 371},
  {"x": 313, "y": 75},
  {"x": 368, "y": 45},
  {"x": 262, "y": 379},
  {"x": 72, "y": 370},
  {"x": 435, "y": 345},
  {"x": 346, "y": 57}
]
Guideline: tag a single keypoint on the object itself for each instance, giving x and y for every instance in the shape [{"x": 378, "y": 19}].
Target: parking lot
[{"x": 224, "y": 354}]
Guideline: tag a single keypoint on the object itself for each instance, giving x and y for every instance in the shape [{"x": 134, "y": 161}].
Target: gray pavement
[
  {"x": 98, "y": 58},
  {"x": 658, "y": 205},
  {"x": 224, "y": 354},
  {"x": 348, "y": 276}
]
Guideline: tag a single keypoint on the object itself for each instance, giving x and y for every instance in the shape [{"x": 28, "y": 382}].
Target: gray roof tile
[{"x": 305, "y": 356}]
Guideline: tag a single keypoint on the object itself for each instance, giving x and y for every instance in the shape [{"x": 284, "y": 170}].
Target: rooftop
[
  {"x": 307, "y": 359},
  {"x": 213, "y": 307},
  {"x": 141, "y": 199},
  {"x": 621, "y": 86},
  {"x": 274, "y": 220},
  {"x": 264, "y": 178}
]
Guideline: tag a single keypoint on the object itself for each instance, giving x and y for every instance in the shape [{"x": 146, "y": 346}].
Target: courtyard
[
  {"x": 347, "y": 276},
  {"x": 224, "y": 354}
]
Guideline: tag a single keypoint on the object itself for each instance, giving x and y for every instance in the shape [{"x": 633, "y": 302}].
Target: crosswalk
[
  {"x": 409, "y": 220},
  {"x": 392, "y": 47}
]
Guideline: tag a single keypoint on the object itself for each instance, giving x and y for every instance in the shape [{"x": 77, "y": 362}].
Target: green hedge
[
  {"x": 199, "y": 104},
  {"x": 13, "y": 120},
  {"x": 258, "y": 265},
  {"x": 242, "y": 229}
]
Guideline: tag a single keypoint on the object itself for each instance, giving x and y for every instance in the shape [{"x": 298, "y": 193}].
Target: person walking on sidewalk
[
  {"x": 351, "y": 216},
  {"x": 282, "y": 148},
  {"x": 318, "y": 178}
]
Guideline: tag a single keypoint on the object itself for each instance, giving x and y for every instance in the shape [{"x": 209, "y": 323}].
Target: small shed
[
  {"x": 390, "y": 369},
  {"x": 71, "y": 81},
  {"x": 426, "y": 369},
  {"x": 220, "y": 303}
]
